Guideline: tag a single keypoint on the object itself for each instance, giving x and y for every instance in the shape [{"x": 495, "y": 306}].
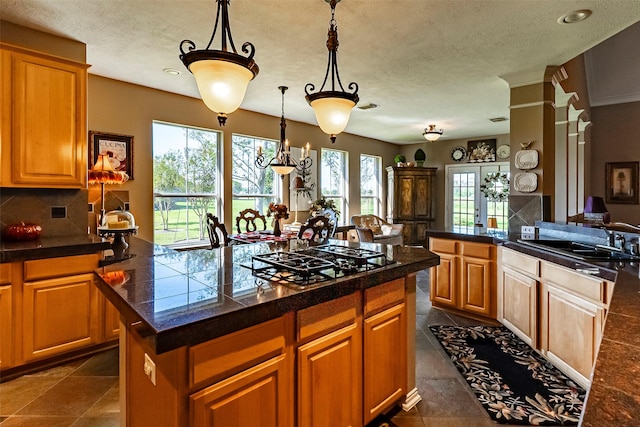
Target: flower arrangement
[
  {"x": 491, "y": 191},
  {"x": 323, "y": 203},
  {"x": 278, "y": 211}
]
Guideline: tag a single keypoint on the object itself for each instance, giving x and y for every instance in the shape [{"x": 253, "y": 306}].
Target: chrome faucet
[{"x": 616, "y": 240}]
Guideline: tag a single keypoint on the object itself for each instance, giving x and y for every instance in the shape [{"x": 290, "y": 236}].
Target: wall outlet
[
  {"x": 528, "y": 229},
  {"x": 150, "y": 368}
]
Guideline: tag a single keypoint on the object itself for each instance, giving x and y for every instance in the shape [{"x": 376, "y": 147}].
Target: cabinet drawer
[
  {"x": 383, "y": 296},
  {"x": 564, "y": 278},
  {"x": 520, "y": 262},
  {"x": 479, "y": 250},
  {"x": 5, "y": 274},
  {"x": 237, "y": 351},
  {"x": 443, "y": 245},
  {"x": 55, "y": 267},
  {"x": 327, "y": 317}
]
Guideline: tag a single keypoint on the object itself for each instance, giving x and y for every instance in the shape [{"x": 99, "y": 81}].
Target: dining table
[{"x": 265, "y": 236}]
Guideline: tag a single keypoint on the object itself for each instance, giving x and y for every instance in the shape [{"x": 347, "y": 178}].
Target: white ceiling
[{"x": 421, "y": 61}]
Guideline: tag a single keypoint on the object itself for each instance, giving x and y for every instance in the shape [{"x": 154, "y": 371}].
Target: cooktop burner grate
[{"x": 315, "y": 265}]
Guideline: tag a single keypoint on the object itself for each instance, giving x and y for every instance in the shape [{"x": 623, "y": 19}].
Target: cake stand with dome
[{"x": 118, "y": 224}]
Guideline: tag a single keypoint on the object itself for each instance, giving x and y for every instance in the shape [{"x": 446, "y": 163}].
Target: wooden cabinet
[
  {"x": 572, "y": 319},
  {"x": 518, "y": 294},
  {"x": 44, "y": 121},
  {"x": 6, "y": 317},
  {"x": 59, "y": 306},
  {"x": 111, "y": 322},
  {"x": 466, "y": 277},
  {"x": 558, "y": 311},
  {"x": 411, "y": 200}
]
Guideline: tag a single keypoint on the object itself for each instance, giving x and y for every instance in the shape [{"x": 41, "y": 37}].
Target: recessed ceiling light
[
  {"x": 575, "y": 16},
  {"x": 171, "y": 71}
]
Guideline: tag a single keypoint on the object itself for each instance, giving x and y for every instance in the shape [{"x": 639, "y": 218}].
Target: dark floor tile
[
  {"x": 104, "y": 364},
  {"x": 107, "y": 406},
  {"x": 16, "y": 394},
  {"x": 48, "y": 421},
  {"x": 71, "y": 396},
  {"x": 457, "y": 422},
  {"x": 434, "y": 364},
  {"x": 60, "y": 371},
  {"x": 447, "y": 397}
]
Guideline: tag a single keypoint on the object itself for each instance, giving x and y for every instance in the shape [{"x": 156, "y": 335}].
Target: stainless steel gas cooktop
[{"x": 315, "y": 265}]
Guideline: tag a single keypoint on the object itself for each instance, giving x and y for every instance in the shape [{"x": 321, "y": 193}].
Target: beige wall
[
  {"x": 123, "y": 108},
  {"x": 615, "y": 135}
]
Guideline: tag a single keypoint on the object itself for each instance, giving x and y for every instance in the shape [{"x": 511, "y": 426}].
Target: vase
[{"x": 276, "y": 227}]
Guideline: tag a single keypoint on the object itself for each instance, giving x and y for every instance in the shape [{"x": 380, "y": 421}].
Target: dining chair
[
  {"x": 333, "y": 220},
  {"x": 249, "y": 218},
  {"x": 218, "y": 235},
  {"x": 316, "y": 228}
]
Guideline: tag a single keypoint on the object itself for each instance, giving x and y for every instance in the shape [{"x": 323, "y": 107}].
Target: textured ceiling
[{"x": 421, "y": 61}]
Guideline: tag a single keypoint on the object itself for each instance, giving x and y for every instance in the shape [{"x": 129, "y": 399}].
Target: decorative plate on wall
[
  {"x": 458, "y": 154},
  {"x": 503, "y": 151},
  {"x": 526, "y": 159},
  {"x": 525, "y": 182}
]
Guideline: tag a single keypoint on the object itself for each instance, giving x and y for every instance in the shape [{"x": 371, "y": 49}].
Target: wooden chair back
[
  {"x": 333, "y": 220},
  {"x": 217, "y": 232},
  {"x": 250, "y": 218},
  {"x": 316, "y": 228}
]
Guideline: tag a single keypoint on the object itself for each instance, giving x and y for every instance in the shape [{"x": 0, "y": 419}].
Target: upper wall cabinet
[{"x": 44, "y": 121}]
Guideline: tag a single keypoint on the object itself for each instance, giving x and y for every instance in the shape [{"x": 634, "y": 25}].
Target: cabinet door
[
  {"x": 6, "y": 326},
  {"x": 330, "y": 379},
  {"x": 385, "y": 354},
  {"x": 519, "y": 305},
  {"x": 59, "y": 315},
  {"x": 111, "y": 321},
  {"x": 572, "y": 332},
  {"x": 257, "y": 396},
  {"x": 423, "y": 197},
  {"x": 444, "y": 279},
  {"x": 476, "y": 286},
  {"x": 405, "y": 197},
  {"x": 47, "y": 147}
]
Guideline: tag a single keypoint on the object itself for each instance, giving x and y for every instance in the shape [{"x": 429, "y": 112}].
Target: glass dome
[{"x": 118, "y": 220}]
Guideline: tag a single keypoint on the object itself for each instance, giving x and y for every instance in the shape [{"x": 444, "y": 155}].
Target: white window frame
[
  {"x": 377, "y": 196},
  {"x": 343, "y": 198}
]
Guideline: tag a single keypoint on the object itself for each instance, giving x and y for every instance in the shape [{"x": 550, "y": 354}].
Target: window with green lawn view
[
  {"x": 186, "y": 183},
  {"x": 253, "y": 187},
  {"x": 370, "y": 184},
  {"x": 334, "y": 180}
]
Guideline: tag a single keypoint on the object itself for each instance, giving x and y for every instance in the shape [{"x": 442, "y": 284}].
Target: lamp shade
[
  {"x": 431, "y": 134},
  {"x": 595, "y": 205},
  {"x": 103, "y": 172},
  {"x": 222, "y": 84},
  {"x": 297, "y": 183},
  {"x": 282, "y": 169},
  {"x": 332, "y": 113}
]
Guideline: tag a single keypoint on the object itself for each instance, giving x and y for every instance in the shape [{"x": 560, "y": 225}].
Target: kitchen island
[{"x": 209, "y": 343}]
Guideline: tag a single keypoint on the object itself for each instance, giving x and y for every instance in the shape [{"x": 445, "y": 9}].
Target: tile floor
[{"x": 85, "y": 392}]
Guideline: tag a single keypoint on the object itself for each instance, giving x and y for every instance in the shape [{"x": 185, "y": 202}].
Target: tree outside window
[{"x": 334, "y": 179}]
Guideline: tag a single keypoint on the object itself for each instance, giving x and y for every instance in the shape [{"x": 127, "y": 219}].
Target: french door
[{"x": 465, "y": 205}]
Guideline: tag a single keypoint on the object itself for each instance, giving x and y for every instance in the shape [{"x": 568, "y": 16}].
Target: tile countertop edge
[
  {"x": 52, "y": 247},
  {"x": 614, "y": 396},
  {"x": 191, "y": 332}
]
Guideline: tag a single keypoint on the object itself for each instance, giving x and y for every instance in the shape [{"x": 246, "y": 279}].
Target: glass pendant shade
[
  {"x": 282, "y": 169},
  {"x": 332, "y": 114},
  {"x": 432, "y": 134},
  {"x": 222, "y": 84}
]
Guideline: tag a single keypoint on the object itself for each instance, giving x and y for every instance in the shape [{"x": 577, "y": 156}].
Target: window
[
  {"x": 370, "y": 184},
  {"x": 466, "y": 205},
  {"x": 186, "y": 183},
  {"x": 334, "y": 180},
  {"x": 253, "y": 187}
]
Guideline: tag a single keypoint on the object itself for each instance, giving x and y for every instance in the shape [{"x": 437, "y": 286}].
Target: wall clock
[
  {"x": 503, "y": 151},
  {"x": 458, "y": 154}
]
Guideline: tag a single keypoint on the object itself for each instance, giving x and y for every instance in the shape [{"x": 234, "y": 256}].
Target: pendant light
[
  {"x": 332, "y": 107},
  {"x": 222, "y": 76}
]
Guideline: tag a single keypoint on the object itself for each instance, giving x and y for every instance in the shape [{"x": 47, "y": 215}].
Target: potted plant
[
  {"x": 420, "y": 156},
  {"x": 323, "y": 203},
  {"x": 400, "y": 159}
]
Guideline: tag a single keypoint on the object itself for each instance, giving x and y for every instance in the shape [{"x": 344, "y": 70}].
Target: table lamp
[
  {"x": 103, "y": 173},
  {"x": 596, "y": 211}
]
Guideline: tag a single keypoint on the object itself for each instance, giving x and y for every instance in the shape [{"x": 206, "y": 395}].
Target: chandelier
[
  {"x": 332, "y": 107},
  {"x": 431, "y": 134},
  {"x": 222, "y": 76},
  {"x": 283, "y": 163}
]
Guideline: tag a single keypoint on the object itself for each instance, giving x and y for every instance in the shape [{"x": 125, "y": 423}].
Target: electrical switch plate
[
  {"x": 150, "y": 368},
  {"x": 528, "y": 229}
]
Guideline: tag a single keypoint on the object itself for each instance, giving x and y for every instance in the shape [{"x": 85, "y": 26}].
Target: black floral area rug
[{"x": 513, "y": 383}]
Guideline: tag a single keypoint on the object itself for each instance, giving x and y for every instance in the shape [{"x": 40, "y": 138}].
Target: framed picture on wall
[
  {"x": 481, "y": 151},
  {"x": 621, "y": 184},
  {"x": 119, "y": 148}
]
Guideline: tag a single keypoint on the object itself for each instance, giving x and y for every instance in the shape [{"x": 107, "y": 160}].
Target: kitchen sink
[{"x": 579, "y": 250}]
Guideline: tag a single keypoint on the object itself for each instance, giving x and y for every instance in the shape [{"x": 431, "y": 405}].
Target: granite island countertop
[
  {"x": 614, "y": 396},
  {"x": 51, "y": 247},
  {"x": 174, "y": 298}
]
